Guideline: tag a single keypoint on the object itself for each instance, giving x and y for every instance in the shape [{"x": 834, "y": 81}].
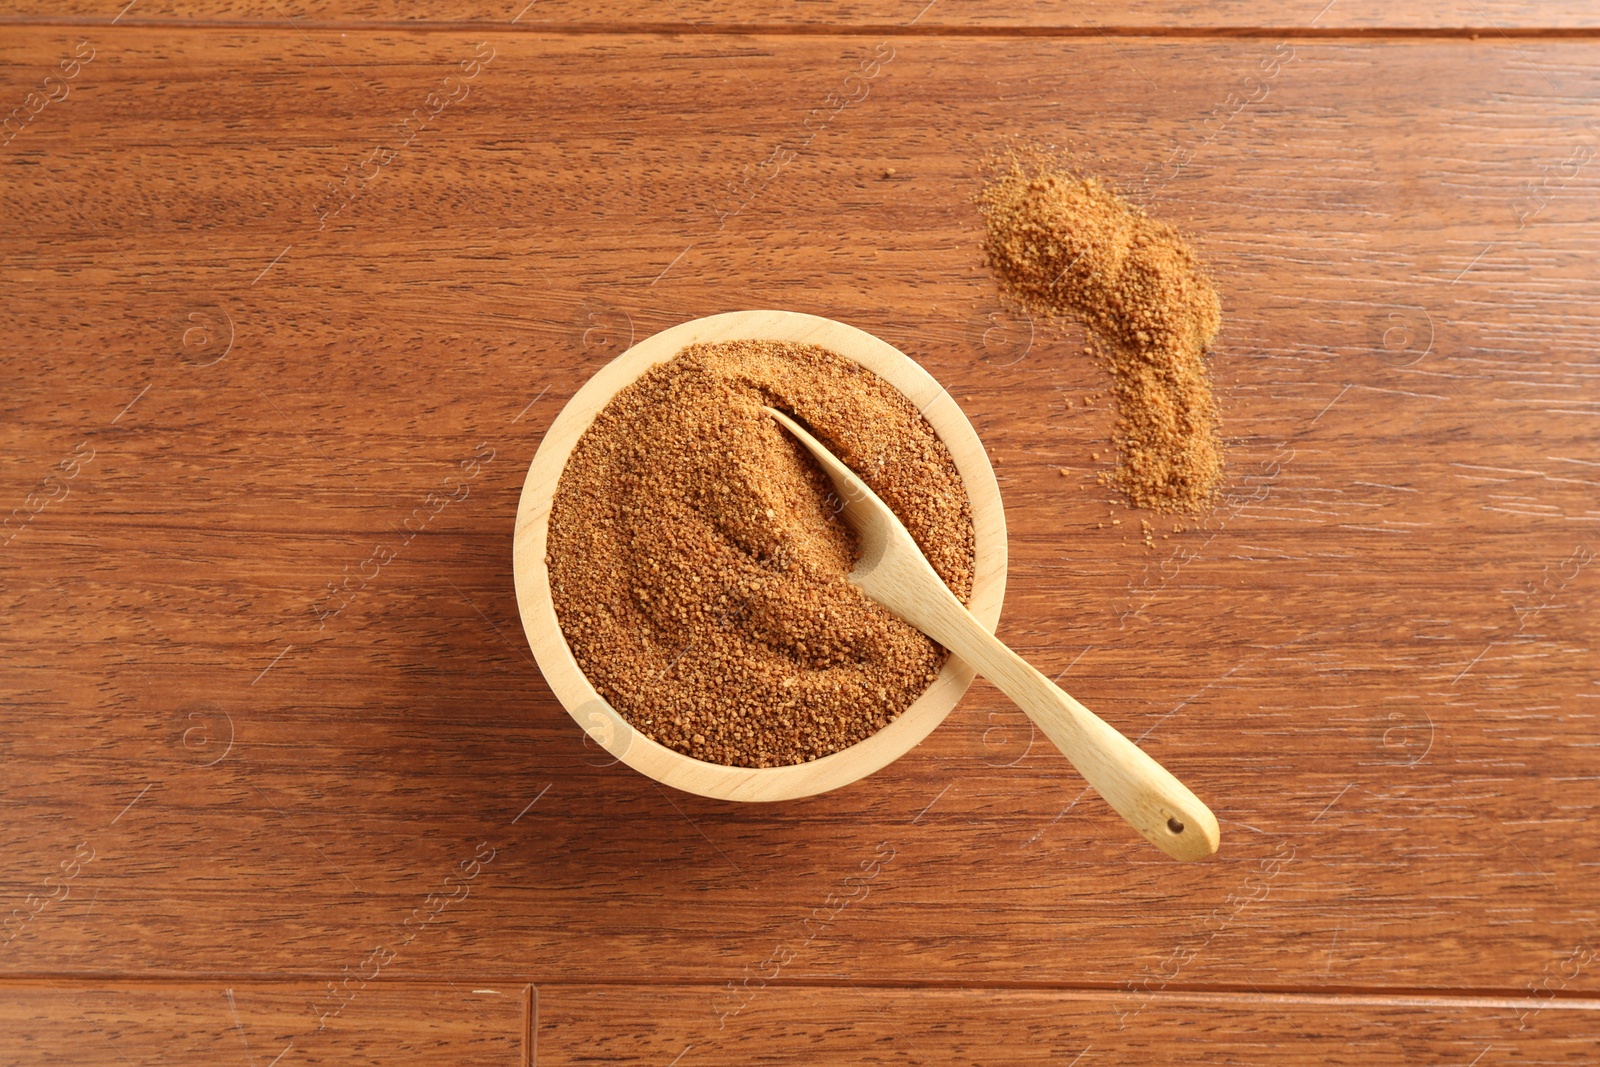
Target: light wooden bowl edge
[{"x": 594, "y": 714}]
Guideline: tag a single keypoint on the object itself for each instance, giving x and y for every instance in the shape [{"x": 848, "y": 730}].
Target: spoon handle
[{"x": 1141, "y": 790}]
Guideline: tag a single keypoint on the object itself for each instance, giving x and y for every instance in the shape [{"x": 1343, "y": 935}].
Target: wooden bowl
[{"x": 567, "y": 680}]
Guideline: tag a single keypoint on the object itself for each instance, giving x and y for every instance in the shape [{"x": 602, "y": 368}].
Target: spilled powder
[
  {"x": 1065, "y": 245},
  {"x": 698, "y": 563}
]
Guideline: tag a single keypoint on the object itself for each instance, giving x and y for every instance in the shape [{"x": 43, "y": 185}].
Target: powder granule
[
  {"x": 698, "y": 564},
  {"x": 1064, "y": 245}
]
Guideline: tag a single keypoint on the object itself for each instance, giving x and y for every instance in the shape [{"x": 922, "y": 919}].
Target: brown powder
[
  {"x": 1068, "y": 246},
  {"x": 698, "y": 564}
]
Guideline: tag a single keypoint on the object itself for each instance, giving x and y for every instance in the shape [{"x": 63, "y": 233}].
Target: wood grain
[
  {"x": 231, "y": 386},
  {"x": 846, "y": 1023},
  {"x": 1491, "y": 17},
  {"x": 181, "y": 1022}
]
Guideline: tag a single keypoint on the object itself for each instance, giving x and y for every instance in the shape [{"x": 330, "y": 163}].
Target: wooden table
[{"x": 293, "y": 289}]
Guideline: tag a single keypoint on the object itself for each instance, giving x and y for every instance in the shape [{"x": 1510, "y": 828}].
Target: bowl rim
[{"x": 595, "y": 715}]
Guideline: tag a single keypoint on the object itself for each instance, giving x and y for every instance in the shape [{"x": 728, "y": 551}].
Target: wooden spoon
[{"x": 894, "y": 572}]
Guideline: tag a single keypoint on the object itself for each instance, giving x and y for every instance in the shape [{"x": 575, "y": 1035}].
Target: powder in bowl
[{"x": 698, "y": 565}]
